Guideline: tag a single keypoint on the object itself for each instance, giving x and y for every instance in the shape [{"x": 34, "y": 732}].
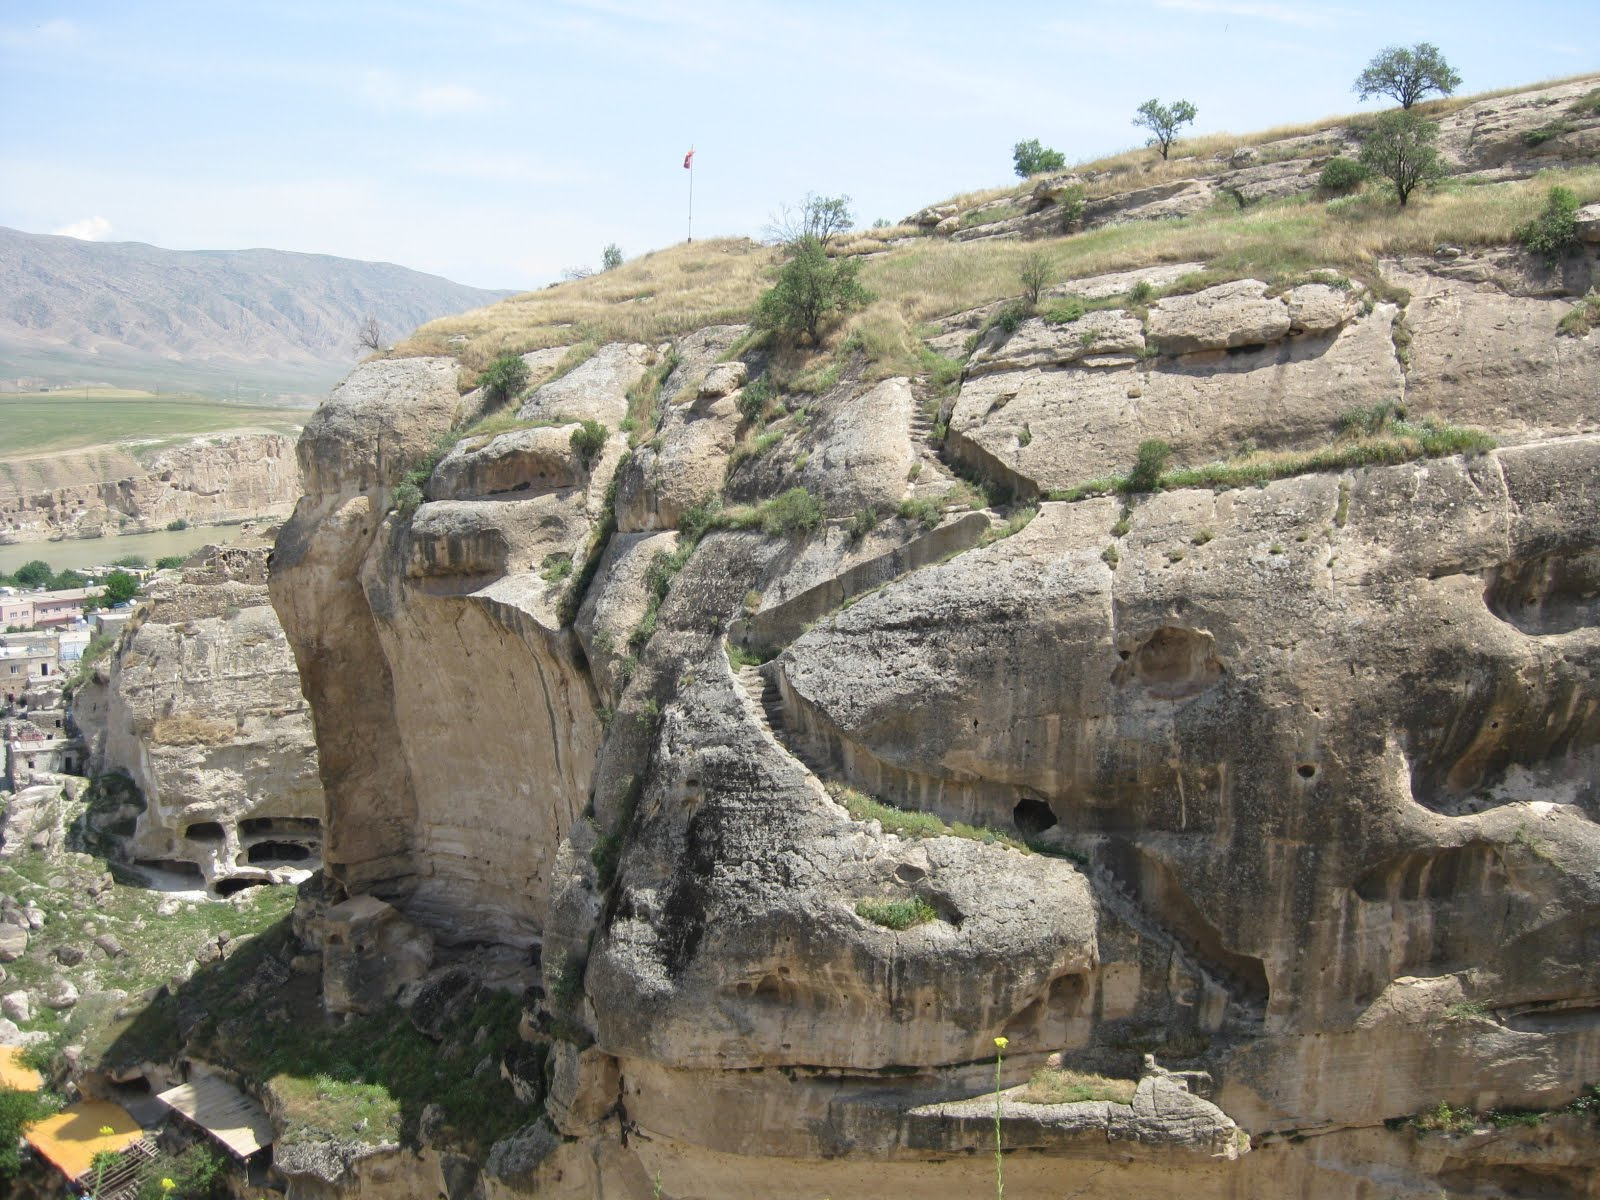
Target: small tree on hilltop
[
  {"x": 611, "y": 257},
  {"x": 1030, "y": 158},
  {"x": 1401, "y": 149},
  {"x": 369, "y": 336},
  {"x": 819, "y": 219},
  {"x": 1162, "y": 120},
  {"x": 1407, "y": 74},
  {"x": 1035, "y": 273},
  {"x": 810, "y": 288}
]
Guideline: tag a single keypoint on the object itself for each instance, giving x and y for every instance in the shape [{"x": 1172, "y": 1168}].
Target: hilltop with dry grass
[{"x": 1233, "y": 206}]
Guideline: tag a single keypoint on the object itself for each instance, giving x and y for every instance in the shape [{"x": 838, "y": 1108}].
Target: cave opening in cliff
[
  {"x": 1032, "y": 816},
  {"x": 230, "y": 887},
  {"x": 271, "y": 852},
  {"x": 204, "y": 831}
]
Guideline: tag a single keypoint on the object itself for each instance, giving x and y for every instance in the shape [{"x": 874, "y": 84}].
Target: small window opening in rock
[
  {"x": 1124, "y": 655},
  {"x": 1306, "y": 770},
  {"x": 263, "y": 852},
  {"x": 1032, "y": 816},
  {"x": 229, "y": 887},
  {"x": 204, "y": 831}
]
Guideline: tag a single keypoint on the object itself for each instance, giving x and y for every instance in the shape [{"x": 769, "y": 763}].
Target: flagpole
[{"x": 691, "y": 199}]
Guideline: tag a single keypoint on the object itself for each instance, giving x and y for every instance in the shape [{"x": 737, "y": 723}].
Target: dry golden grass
[
  {"x": 655, "y": 296},
  {"x": 933, "y": 278},
  {"x": 1050, "y": 1085}
]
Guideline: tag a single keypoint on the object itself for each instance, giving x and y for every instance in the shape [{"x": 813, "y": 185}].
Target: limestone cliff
[
  {"x": 199, "y": 706},
  {"x": 100, "y": 493},
  {"x": 1283, "y": 773}
]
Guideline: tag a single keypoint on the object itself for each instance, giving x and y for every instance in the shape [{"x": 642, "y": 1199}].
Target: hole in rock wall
[
  {"x": 1172, "y": 663},
  {"x": 1552, "y": 594},
  {"x": 1032, "y": 816},
  {"x": 204, "y": 831},
  {"x": 277, "y": 852},
  {"x": 1306, "y": 771},
  {"x": 229, "y": 887}
]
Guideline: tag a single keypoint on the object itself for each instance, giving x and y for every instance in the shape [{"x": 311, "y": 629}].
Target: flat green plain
[{"x": 50, "y": 422}]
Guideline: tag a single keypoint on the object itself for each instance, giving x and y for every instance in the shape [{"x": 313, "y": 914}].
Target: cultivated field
[{"x": 50, "y": 422}]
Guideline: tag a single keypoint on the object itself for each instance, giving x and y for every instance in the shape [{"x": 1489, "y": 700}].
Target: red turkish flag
[{"x": 688, "y": 160}]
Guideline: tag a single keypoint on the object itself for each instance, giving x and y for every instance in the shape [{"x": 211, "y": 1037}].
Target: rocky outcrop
[
  {"x": 1288, "y": 785},
  {"x": 206, "y": 481},
  {"x": 200, "y": 709}
]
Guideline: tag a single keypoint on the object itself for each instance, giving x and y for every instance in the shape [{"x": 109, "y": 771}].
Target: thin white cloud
[
  {"x": 1306, "y": 17},
  {"x": 90, "y": 229},
  {"x": 56, "y": 32},
  {"x": 384, "y": 92}
]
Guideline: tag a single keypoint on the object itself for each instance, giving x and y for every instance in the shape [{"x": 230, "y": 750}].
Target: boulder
[
  {"x": 17, "y": 1005},
  {"x": 60, "y": 993},
  {"x": 13, "y": 943},
  {"x": 1588, "y": 219},
  {"x": 1231, "y": 314}
]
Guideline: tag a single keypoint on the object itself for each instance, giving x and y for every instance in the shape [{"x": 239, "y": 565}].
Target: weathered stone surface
[
  {"x": 1588, "y": 222},
  {"x": 524, "y": 460},
  {"x": 18, "y": 1006},
  {"x": 1083, "y": 423},
  {"x": 1230, "y": 314},
  {"x": 378, "y": 423},
  {"x": 202, "y": 711},
  {"x": 1038, "y": 343},
  {"x": 369, "y": 952},
  {"x": 13, "y": 943},
  {"x": 595, "y": 390}
]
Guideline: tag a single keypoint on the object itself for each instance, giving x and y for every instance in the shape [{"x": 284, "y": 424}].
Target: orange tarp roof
[
  {"x": 72, "y": 1137},
  {"x": 16, "y": 1076}
]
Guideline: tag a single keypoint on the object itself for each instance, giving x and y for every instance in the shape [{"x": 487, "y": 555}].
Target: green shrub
[
  {"x": 1371, "y": 420},
  {"x": 1071, "y": 205},
  {"x": 177, "y": 525},
  {"x": 169, "y": 562},
  {"x": 1342, "y": 175},
  {"x": 556, "y": 567},
  {"x": 504, "y": 378},
  {"x": 1441, "y": 1118},
  {"x": 1063, "y": 311},
  {"x": 18, "y": 1110},
  {"x": 794, "y": 511},
  {"x": 1581, "y": 317},
  {"x": 1142, "y": 292},
  {"x": 897, "y": 914},
  {"x": 588, "y": 440},
  {"x": 930, "y": 512},
  {"x": 1586, "y": 106},
  {"x": 1035, "y": 274},
  {"x": 1030, "y": 158},
  {"x": 407, "y": 496},
  {"x": 810, "y": 288},
  {"x": 1546, "y": 133},
  {"x": 754, "y": 398},
  {"x": 1555, "y": 230},
  {"x": 1148, "y": 466},
  {"x": 863, "y": 523},
  {"x": 1010, "y": 318},
  {"x": 611, "y": 257}
]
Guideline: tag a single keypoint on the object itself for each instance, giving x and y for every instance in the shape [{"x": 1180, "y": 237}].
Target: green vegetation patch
[
  {"x": 47, "y": 422},
  {"x": 909, "y": 823},
  {"x": 1396, "y": 441},
  {"x": 1053, "y": 1085},
  {"x": 896, "y": 914}
]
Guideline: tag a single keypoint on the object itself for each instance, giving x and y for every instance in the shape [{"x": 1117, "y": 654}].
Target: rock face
[
  {"x": 200, "y": 709},
  {"x": 206, "y": 481},
  {"x": 1289, "y": 788}
]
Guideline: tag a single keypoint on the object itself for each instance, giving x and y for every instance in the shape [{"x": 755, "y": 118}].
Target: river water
[{"x": 77, "y": 553}]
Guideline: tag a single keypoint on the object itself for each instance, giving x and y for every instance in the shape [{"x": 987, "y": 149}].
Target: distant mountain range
[{"x": 259, "y": 324}]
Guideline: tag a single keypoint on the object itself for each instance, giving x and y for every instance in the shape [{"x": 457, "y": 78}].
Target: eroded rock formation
[
  {"x": 200, "y": 708},
  {"x": 1292, "y": 786}
]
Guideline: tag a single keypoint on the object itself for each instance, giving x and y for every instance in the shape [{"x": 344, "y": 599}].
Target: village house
[{"x": 42, "y": 610}]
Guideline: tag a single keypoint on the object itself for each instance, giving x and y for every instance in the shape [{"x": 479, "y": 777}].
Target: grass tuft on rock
[
  {"x": 897, "y": 914},
  {"x": 1055, "y": 1085}
]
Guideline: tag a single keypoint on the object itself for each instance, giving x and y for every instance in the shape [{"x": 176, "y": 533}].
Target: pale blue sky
[{"x": 497, "y": 142}]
